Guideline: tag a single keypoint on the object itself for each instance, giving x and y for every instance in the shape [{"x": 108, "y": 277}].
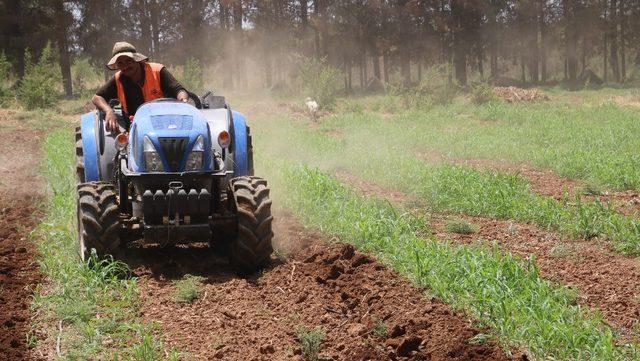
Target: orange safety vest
[{"x": 151, "y": 89}]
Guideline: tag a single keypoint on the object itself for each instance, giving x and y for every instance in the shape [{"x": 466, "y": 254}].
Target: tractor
[{"x": 179, "y": 172}]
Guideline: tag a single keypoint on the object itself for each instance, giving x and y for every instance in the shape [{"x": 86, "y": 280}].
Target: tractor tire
[
  {"x": 79, "y": 157},
  {"x": 252, "y": 248},
  {"x": 98, "y": 220}
]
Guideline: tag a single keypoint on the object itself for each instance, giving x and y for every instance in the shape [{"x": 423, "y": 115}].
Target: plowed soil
[
  {"x": 20, "y": 191},
  {"x": 604, "y": 280},
  {"x": 334, "y": 287}
]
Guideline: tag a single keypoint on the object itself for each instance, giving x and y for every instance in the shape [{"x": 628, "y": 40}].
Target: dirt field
[
  {"x": 20, "y": 194},
  {"x": 604, "y": 280},
  {"x": 346, "y": 293}
]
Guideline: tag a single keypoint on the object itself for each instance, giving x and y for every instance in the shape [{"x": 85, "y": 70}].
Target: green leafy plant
[
  {"x": 310, "y": 341},
  {"x": 40, "y": 86},
  {"x": 460, "y": 226},
  {"x": 187, "y": 289}
]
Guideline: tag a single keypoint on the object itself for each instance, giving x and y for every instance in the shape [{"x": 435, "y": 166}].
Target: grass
[
  {"x": 441, "y": 187},
  {"x": 503, "y": 292},
  {"x": 187, "y": 289},
  {"x": 90, "y": 311}
]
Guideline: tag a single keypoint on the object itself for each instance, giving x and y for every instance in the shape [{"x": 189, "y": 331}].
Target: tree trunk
[
  {"x": 62, "y": 25},
  {"x": 236, "y": 39},
  {"x": 385, "y": 66},
  {"x": 623, "y": 40},
  {"x": 376, "y": 65},
  {"x": 613, "y": 40},
  {"x": 571, "y": 38},
  {"x": 534, "y": 60},
  {"x": 459, "y": 46},
  {"x": 405, "y": 67},
  {"x": 543, "y": 41},
  {"x": 605, "y": 46},
  {"x": 155, "y": 26}
]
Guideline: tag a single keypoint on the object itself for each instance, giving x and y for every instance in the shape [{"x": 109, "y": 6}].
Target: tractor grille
[{"x": 173, "y": 149}]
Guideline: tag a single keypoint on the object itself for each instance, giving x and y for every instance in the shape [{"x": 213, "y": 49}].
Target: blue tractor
[{"x": 179, "y": 173}]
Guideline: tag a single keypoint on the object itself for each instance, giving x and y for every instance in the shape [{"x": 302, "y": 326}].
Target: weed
[
  {"x": 592, "y": 189},
  {"x": 310, "y": 341},
  {"x": 460, "y": 226},
  {"x": 187, "y": 289},
  {"x": 215, "y": 341},
  {"x": 560, "y": 249},
  {"x": 379, "y": 329}
]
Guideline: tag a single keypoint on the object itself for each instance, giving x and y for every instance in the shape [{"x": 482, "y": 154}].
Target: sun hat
[{"x": 122, "y": 48}]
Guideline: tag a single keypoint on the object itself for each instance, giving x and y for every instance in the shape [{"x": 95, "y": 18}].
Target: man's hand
[
  {"x": 182, "y": 96},
  {"x": 111, "y": 121}
]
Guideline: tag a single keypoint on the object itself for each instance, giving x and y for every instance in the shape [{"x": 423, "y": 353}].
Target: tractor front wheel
[
  {"x": 252, "y": 247},
  {"x": 98, "y": 220}
]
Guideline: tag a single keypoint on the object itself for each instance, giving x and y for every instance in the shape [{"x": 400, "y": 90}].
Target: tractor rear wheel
[
  {"x": 252, "y": 247},
  {"x": 79, "y": 157},
  {"x": 98, "y": 220}
]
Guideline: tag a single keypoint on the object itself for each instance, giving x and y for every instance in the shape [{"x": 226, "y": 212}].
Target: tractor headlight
[
  {"x": 152, "y": 160},
  {"x": 196, "y": 157}
]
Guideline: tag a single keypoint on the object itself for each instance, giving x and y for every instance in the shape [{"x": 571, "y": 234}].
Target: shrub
[
  {"x": 83, "y": 75},
  {"x": 40, "y": 86},
  {"x": 5, "y": 68},
  {"x": 482, "y": 93},
  {"x": 192, "y": 76},
  {"x": 320, "y": 81},
  {"x": 434, "y": 89}
]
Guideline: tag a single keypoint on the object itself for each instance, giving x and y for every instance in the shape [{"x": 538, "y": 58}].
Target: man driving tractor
[{"x": 136, "y": 82}]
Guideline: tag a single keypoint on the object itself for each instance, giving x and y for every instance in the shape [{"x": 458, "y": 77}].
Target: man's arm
[
  {"x": 101, "y": 103},
  {"x": 171, "y": 87}
]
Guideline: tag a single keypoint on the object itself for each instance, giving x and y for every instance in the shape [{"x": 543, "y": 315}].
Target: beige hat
[{"x": 122, "y": 48}]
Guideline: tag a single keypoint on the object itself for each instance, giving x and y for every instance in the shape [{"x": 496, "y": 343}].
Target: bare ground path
[
  {"x": 20, "y": 192},
  {"x": 334, "y": 287},
  {"x": 603, "y": 280}
]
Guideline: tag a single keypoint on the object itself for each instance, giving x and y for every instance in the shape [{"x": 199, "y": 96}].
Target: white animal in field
[{"x": 312, "y": 108}]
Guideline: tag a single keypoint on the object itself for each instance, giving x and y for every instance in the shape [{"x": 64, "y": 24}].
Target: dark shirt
[{"x": 170, "y": 87}]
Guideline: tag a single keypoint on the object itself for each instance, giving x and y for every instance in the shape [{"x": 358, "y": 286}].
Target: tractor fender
[
  {"x": 98, "y": 148},
  {"x": 90, "y": 147},
  {"x": 241, "y": 164}
]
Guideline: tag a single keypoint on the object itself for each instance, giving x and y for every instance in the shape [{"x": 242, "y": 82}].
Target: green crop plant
[
  {"x": 504, "y": 292},
  {"x": 440, "y": 186},
  {"x": 92, "y": 308}
]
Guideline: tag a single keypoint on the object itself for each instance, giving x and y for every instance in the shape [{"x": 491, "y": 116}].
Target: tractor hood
[{"x": 177, "y": 132}]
